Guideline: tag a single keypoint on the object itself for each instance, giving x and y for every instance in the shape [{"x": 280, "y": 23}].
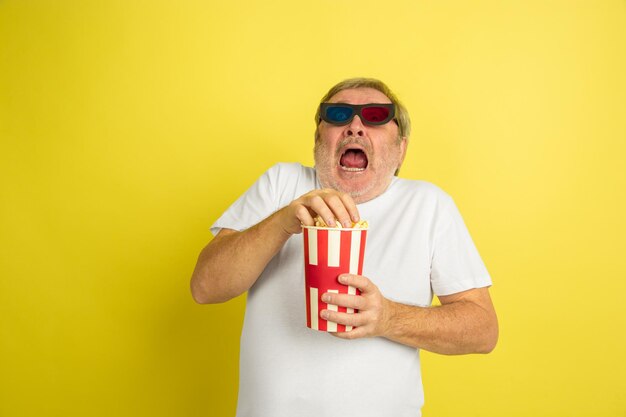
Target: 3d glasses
[{"x": 371, "y": 114}]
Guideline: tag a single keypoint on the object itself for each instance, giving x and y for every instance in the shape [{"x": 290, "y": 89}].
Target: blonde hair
[{"x": 402, "y": 115}]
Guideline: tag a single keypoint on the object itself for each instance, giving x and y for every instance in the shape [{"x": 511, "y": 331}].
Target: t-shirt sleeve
[
  {"x": 456, "y": 264},
  {"x": 257, "y": 203}
]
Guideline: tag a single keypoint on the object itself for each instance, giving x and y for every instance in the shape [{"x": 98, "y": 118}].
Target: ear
[{"x": 403, "y": 145}]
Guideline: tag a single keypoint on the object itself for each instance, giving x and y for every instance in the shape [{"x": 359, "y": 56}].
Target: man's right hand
[
  {"x": 329, "y": 204},
  {"x": 214, "y": 279}
]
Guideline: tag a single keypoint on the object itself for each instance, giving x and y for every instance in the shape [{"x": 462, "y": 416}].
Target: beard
[{"x": 382, "y": 164}]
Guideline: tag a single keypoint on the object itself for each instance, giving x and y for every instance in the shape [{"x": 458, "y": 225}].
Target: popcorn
[
  {"x": 329, "y": 252},
  {"x": 361, "y": 224}
]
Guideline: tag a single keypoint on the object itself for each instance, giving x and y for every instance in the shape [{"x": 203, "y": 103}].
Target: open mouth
[{"x": 353, "y": 160}]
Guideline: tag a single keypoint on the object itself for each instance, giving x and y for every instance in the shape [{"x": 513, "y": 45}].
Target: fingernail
[
  {"x": 325, "y": 298},
  {"x": 342, "y": 278},
  {"x": 324, "y": 314}
]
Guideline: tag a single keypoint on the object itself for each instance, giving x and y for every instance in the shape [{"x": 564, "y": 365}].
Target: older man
[{"x": 417, "y": 245}]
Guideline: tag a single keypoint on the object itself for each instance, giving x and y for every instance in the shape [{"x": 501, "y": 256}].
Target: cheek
[
  {"x": 322, "y": 153},
  {"x": 330, "y": 132},
  {"x": 389, "y": 154},
  {"x": 321, "y": 146},
  {"x": 322, "y": 130},
  {"x": 326, "y": 143}
]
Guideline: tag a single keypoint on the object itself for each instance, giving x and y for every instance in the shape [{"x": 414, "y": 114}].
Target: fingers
[
  {"x": 327, "y": 203},
  {"x": 355, "y": 333},
  {"x": 326, "y": 207},
  {"x": 372, "y": 316},
  {"x": 344, "y": 300},
  {"x": 330, "y": 205},
  {"x": 369, "y": 298},
  {"x": 350, "y": 206},
  {"x": 304, "y": 216},
  {"x": 347, "y": 319},
  {"x": 358, "y": 281}
]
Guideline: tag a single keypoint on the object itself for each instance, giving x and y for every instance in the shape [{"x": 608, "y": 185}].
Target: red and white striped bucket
[{"x": 328, "y": 253}]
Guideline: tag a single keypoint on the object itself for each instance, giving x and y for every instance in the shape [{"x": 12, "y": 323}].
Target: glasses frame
[{"x": 357, "y": 110}]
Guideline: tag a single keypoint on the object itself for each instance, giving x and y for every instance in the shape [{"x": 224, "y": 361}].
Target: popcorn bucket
[{"x": 328, "y": 253}]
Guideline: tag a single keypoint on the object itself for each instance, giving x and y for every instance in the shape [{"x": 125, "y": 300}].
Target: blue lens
[{"x": 339, "y": 114}]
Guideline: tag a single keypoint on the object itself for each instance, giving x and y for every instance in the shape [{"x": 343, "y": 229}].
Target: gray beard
[
  {"x": 325, "y": 177},
  {"x": 326, "y": 181}
]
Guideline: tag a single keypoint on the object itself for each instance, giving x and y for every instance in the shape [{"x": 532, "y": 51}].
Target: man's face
[{"x": 356, "y": 158}]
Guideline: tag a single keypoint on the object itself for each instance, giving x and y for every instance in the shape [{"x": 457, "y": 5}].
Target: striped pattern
[{"x": 327, "y": 254}]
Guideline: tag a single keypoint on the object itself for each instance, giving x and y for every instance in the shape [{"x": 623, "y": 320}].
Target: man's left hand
[{"x": 374, "y": 310}]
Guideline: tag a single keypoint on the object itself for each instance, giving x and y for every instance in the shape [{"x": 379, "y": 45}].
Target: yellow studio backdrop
[{"x": 127, "y": 128}]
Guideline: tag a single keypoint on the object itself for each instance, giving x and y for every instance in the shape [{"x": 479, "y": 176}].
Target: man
[{"x": 417, "y": 244}]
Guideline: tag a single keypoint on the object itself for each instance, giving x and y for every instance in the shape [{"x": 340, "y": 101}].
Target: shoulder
[
  {"x": 285, "y": 174},
  {"x": 289, "y": 170},
  {"x": 289, "y": 180},
  {"x": 420, "y": 189}
]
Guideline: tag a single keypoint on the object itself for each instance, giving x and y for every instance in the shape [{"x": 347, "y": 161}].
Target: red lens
[{"x": 375, "y": 114}]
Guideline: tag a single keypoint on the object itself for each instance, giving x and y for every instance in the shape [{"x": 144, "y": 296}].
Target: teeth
[{"x": 352, "y": 169}]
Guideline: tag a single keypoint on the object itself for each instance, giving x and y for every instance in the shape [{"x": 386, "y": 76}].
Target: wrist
[
  {"x": 390, "y": 314},
  {"x": 402, "y": 321},
  {"x": 279, "y": 221}
]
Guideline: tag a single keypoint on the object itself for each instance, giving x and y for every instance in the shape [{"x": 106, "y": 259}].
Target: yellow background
[{"x": 126, "y": 128}]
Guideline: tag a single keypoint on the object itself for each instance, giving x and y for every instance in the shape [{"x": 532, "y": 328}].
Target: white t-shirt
[{"x": 417, "y": 245}]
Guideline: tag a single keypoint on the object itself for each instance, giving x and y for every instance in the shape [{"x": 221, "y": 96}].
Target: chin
[
  {"x": 362, "y": 186},
  {"x": 360, "y": 192}
]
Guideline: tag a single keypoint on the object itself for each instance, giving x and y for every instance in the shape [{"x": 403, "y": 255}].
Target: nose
[{"x": 355, "y": 127}]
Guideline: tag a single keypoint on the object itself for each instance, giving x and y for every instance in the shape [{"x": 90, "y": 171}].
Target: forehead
[{"x": 362, "y": 95}]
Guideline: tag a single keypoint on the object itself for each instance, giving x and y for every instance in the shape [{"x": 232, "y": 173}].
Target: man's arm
[
  {"x": 466, "y": 322},
  {"x": 232, "y": 262}
]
